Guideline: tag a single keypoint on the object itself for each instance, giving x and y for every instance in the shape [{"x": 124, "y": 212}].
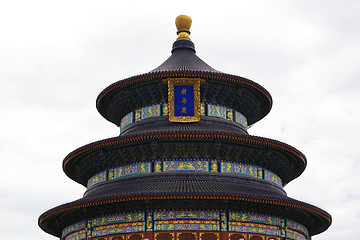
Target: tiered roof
[{"x": 212, "y": 139}]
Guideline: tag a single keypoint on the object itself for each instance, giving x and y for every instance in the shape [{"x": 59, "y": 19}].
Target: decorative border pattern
[
  {"x": 77, "y": 235},
  {"x": 291, "y": 234},
  {"x": 254, "y": 228},
  {"x": 162, "y": 109},
  {"x": 189, "y": 220},
  {"x": 76, "y": 206},
  {"x": 186, "y": 225},
  {"x": 296, "y": 226},
  {"x": 117, "y": 229},
  {"x": 185, "y": 165},
  {"x": 128, "y": 170},
  {"x": 255, "y": 218},
  {"x": 181, "y": 215}
]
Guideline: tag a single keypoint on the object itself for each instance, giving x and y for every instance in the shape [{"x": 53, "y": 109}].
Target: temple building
[{"x": 184, "y": 166}]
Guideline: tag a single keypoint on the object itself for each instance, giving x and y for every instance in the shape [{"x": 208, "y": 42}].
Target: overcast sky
[{"x": 57, "y": 56}]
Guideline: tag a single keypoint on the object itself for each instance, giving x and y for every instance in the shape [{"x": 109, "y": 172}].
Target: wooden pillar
[{"x": 224, "y": 235}]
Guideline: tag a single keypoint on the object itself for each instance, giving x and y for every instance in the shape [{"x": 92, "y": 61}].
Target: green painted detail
[
  {"x": 181, "y": 220},
  {"x": 162, "y": 109},
  {"x": 185, "y": 165}
]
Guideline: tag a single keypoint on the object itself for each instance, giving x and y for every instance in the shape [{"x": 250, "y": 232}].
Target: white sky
[{"x": 57, "y": 56}]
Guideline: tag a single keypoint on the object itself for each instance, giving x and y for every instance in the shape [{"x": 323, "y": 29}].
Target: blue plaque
[{"x": 184, "y": 100}]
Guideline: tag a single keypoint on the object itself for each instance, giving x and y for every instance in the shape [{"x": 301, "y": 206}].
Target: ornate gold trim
[{"x": 171, "y": 98}]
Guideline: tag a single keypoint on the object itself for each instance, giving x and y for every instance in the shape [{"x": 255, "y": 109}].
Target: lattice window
[
  {"x": 208, "y": 236},
  {"x": 187, "y": 236},
  {"x": 164, "y": 236},
  {"x": 256, "y": 238},
  {"x": 117, "y": 238},
  {"x": 135, "y": 237},
  {"x": 237, "y": 236}
]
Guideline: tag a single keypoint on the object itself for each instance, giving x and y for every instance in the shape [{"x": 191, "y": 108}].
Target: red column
[{"x": 224, "y": 235}]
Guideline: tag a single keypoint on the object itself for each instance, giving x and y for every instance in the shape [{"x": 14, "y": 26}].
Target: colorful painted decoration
[
  {"x": 240, "y": 119},
  {"x": 74, "y": 228},
  {"x": 118, "y": 229},
  {"x": 271, "y": 177},
  {"x": 150, "y": 111},
  {"x": 223, "y": 221},
  {"x": 202, "y": 109},
  {"x": 290, "y": 234},
  {"x": 187, "y": 226},
  {"x": 216, "y": 111},
  {"x": 180, "y": 220},
  {"x": 77, "y": 235},
  {"x": 255, "y": 218},
  {"x": 118, "y": 218},
  {"x": 163, "y": 110},
  {"x": 133, "y": 169},
  {"x": 297, "y": 227},
  {"x": 149, "y": 221},
  {"x": 239, "y": 168},
  {"x": 185, "y": 165},
  {"x": 98, "y": 178},
  {"x": 229, "y": 114},
  {"x": 255, "y": 228},
  {"x": 127, "y": 120},
  {"x": 176, "y": 215}
]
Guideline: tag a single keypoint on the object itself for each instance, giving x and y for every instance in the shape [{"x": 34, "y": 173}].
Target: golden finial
[{"x": 183, "y": 24}]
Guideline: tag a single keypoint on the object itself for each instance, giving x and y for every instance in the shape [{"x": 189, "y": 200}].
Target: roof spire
[{"x": 183, "y": 24}]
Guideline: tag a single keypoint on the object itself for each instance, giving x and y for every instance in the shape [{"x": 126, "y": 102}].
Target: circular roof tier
[
  {"x": 184, "y": 182},
  {"x": 280, "y": 158},
  {"x": 164, "y": 191},
  {"x": 153, "y": 142},
  {"x": 235, "y": 92},
  {"x": 228, "y": 90}
]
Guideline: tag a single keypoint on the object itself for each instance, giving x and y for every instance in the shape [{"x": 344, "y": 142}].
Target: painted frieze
[
  {"x": 239, "y": 168},
  {"x": 74, "y": 228},
  {"x": 162, "y": 109},
  {"x": 216, "y": 111},
  {"x": 185, "y": 165},
  {"x": 127, "y": 120},
  {"x": 271, "y": 177},
  {"x": 98, "y": 178},
  {"x": 255, "y": 218},
  {"x": 186, "y": 220},
  {"x": 296, "y": 226},
  {"x": 188, "y": 166},
  {"x": 133, "y": 169},
  {"x": 241, "y": 119}
]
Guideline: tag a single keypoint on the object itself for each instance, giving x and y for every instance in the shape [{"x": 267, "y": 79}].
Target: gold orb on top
[{"x": 183, "y": 24}]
